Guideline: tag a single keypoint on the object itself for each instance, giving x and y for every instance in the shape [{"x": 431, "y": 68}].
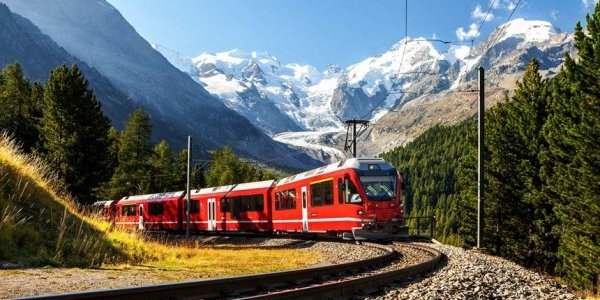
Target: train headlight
[{"x": 360, "y": 212}]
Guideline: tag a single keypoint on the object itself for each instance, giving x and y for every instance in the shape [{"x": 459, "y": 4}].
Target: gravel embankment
[
  {"x": 337, "y": 253},
  {"x": 473, "y": 275}
]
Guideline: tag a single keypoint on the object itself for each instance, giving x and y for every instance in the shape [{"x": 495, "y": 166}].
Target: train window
[
  {"x": 351, "y": 192},
  {"x": 224, "y": 205},
  {"x": 251, "y": 203},
  {"x": 128, "y": 210},
  {"x": 194, "y": 206},
  {"x": 236, "y": 205},
  {"x": 285, "y": 199},
  {"x": 347, "y": 192},
  {"x": 341, "y": 191},
  {"x": 321, "y": 193},
  {"x": 156, "y": 209}
]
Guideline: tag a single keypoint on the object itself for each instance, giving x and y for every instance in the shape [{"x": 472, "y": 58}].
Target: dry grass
[
  {"x": 588, "y": 295},
  {"x": 40, "y": 225}
]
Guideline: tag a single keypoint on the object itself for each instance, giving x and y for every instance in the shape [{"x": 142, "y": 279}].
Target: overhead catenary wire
[
  {"x": 479, "y": 26},
  {"x": 401, "y": 57},
  {"x": 487, "y": 15}
]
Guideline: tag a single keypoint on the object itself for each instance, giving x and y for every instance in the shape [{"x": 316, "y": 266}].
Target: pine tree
[
  {"x": 227, "y": 168},
  {"x": 197, "y": 177},
  {"x": 164, "y": 168},
  {"x": 75, "y": 132},
  {"x": 571, "y": 164},
  {"x": 133, "y": 174},
  {"x": 36, "y": 115},
  {"x": 521, "y": 215},
  {"x": 18, "y": 112},
  {"x": 224, "y": 168},
  {"x": 439, "y": 172}
]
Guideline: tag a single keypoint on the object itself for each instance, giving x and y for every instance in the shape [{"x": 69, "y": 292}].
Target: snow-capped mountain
[
  {"x": 370, "y": 88},
  {"x": 504, "y": 56},
  {"x": 303, "y": 106},
  {"x": 276, "y": 97}
]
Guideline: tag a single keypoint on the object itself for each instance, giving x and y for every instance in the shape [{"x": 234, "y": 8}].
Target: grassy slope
[{"x": 41, "y": 226}]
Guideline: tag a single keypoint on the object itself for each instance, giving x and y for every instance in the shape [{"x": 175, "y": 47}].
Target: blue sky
[{"x": 320, "y": 32}]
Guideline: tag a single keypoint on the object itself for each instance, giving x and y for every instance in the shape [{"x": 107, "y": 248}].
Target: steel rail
[
  {"x": 231, "y": 287},
  {"x": 349, "y": 287}
]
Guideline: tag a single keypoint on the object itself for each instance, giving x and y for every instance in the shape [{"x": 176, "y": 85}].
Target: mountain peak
[{"x": 529, "y": 30}]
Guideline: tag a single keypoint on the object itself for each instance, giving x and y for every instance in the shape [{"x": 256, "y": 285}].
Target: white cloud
[
  {"x": 508, "y": 4},
  {"x": 511, "y": 5},
  {"x": 471, "y": 33},
  {"x": 479, "y": 14},
  {"x": 588, "y": 3}
]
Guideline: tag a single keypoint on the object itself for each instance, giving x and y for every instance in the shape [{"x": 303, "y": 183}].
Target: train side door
[
  {"x": 304, "y": 210},
  {"x": 141, "y": 218},
  {"x": 211, "y": 211}
]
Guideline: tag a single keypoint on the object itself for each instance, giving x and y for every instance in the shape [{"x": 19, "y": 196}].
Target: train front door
[
  {"x": 212, "y": 220},
  {"x": 141, "y": 218},
  {"x": 304, "y": 210}
]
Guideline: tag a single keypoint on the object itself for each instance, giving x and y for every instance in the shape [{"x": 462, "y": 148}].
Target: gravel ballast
[
  {"x": 472, "y": 275},
  {"x": 36, "y": 281}
]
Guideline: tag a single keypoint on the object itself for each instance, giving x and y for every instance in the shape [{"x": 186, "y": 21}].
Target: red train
[{"x": 355, "y": 198}]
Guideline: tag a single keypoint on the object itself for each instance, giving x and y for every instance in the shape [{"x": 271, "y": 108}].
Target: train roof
[
  {"x": 105, "y": 203},
  {"x": 150, "y": 197},
  {"x": 234, "y": 187},
  {"x": 352, "y": 163}
]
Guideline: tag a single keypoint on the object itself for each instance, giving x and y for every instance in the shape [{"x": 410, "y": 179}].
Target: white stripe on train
[{"x": 319, "y": 220}]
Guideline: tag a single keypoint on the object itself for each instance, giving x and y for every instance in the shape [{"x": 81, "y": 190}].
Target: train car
[
  {"x": 101, "y": 209},
  {"x": 161, "y": 211},
  {"x": 240, "y": 207},
  {"x": 355, "y": 198}
]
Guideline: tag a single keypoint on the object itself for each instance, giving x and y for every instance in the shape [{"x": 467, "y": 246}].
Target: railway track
[{"x": 321, "y": 282}]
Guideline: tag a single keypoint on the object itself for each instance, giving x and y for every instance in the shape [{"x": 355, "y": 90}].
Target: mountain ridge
[
  {"x": 97, "y": 34},
  {"x": 377, "y": 86}
]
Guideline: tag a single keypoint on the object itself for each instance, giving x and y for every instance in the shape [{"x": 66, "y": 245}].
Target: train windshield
[{"x": 379, "y": 187}]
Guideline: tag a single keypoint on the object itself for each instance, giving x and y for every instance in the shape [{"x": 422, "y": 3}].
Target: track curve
[{"x": 315, "y": 282}]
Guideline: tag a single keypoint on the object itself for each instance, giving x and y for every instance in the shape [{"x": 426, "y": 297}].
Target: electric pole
[
  {"x": 351, "y": 145},
  {"x": 187, "y": 187},
  {"x": 480, "y": 156}
]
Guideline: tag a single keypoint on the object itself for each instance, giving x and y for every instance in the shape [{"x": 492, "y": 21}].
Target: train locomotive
[{"x": 356, "y": 199}]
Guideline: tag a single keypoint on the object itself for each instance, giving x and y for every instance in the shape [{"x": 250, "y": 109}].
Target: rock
[
  {"x": 10, "y": 265},
  {"x": 474, "y": 275}
]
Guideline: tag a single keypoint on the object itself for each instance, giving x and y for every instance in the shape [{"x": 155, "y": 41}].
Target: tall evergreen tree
[
  {"x": 224, "y": 168},
  {"x": 19, "y": 112},
  {"x": 227, "y": 168},
  {"x": 197, "y": 177},
  {"x": 571, "y": 164},
  {"x": 439, "y": 171},
  {"x": 36, "y": 115},
  {"x": 521, "y": 215},
  {"x": 133, "y": 174},
  {"x": 75, "y": 132},
  {"x": 164, "y": 168}
]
